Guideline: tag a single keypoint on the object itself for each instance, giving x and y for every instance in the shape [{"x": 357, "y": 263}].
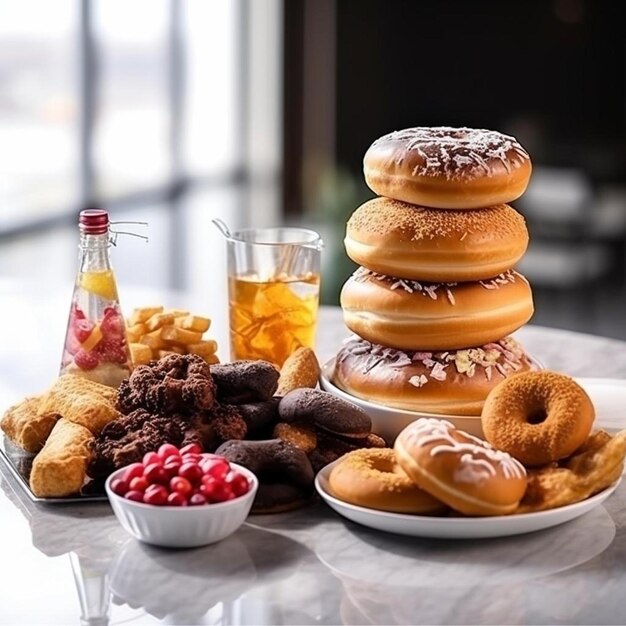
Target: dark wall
[{"x": 552, "y": 73}]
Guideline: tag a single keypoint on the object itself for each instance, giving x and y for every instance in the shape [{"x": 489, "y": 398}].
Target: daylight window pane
[
  {"x": 131, "y": 128},
  {"x": 39, "y": 110},
  {"x": 212, "y": 100}
]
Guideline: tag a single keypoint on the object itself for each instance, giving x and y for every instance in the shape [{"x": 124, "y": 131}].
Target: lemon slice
[{"x": 99, "y": 283}]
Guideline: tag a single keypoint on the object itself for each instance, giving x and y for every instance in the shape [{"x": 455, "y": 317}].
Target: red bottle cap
[{"x": 93, "y": 222}]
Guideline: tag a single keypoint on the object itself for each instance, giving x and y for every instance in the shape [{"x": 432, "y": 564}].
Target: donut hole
[{"x": 537, "y": 416}]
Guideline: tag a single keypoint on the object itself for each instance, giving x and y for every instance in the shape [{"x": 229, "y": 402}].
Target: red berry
[
  {"x": 134, "y": 469},
  {"x": 86, "y": 360},
  {"x": 221, "y": 492},
  {"x": 135, "y": 496},
  {"x": 238, "y": 483},
  {"x": 76, "y": 312},
  {"x": 139, "y": 483},
  {"x": 180, "y": 484},
  {"x": 151, "y": 457},
  {"x": 191, "y": 458},
  {"x": 155, "y": 474},
  {"x": 168, "y": 450},
  {"x": 155, "y": 494},
  {"x": 192, "y": 472},
  {"x": 82, "y": 329},
  {"x": 218, "y": 468},
  {"x": 209, "y": 456},
  {"x": 197, "y": 499},
  {"x": 119, "y": 486},
  {"x": 191, "y": 448},
  {"x": 112, "y": 325},
  {"x": 171, "y": 466},
  {"x": 176, "y": 499}
]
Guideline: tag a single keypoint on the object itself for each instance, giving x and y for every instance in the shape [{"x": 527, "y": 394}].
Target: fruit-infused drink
[
  {"x": 270, "y": 320},
  {"x": 95, "y": 341}
]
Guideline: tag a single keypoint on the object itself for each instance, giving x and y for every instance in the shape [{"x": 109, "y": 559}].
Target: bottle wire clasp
[{"x": 115, "y": 233}]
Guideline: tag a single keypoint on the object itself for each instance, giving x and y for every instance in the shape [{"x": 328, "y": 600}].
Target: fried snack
[
  {"x": 596, "y": 465},
  {"x": 140, "y": 353},
  {"x": 299, "y": 435},
  {"x": 169, "y": 331},
  {"x": 60, "y": 468},
  {"x": 80, "y": 401},
  {"x": 178, "y": 383},
  {"x": 141, "y": 315},
  {"x": 301, "y": 369},
  {"x": 25, "y": 427}
]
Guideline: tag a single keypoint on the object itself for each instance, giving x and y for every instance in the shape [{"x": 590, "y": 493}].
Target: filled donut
[
  {"x": 407, "y": 241},
  {"x": 538, "y": 417},
  {"x": 372, "y": 478},
  {"x": 447, "y": 168},
  {"x": 412, "y": 315},
  {"x": 461, "y": 470},
  {"x": 450, "y": 382}
]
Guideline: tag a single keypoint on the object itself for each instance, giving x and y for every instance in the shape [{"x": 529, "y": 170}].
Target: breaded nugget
[
  {"x": 301, "y": 369},
  {"x": 81, "y": 401},
  {"x": 23, "y": 425},
  {"x": 598, "y": 464},
  {"x": 60, "y": 468}
]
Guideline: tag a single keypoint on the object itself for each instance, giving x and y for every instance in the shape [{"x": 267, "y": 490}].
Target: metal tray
[{"x": 19, "y": 463}]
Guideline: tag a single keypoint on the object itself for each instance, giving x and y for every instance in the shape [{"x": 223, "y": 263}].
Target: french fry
[
  {"x": 140, "y": 353},
  {"x": 144, "y": 313},
  {"x": 203, "y": 348},
  {"x": 135, "y": 332},
  {"x": 154, "y": 340},
  {"x": 159, "y": 320},
  {"x": 193, "y": 322},
  {"x": 178, "y": 335},
  {"x": 155, "y": 332}
]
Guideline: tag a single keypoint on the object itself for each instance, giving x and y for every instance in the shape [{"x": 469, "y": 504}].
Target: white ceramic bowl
[
  {"x": 388, "y": 421},
  {"x": 182, "y": 527}
]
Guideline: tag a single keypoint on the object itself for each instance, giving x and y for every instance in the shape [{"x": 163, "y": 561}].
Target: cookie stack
[{"x": 436, "y": 297}]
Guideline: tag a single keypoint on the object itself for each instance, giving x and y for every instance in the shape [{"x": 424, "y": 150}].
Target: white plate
[
  {"x": 456, "y": 527},
  {"x": 607, "y": 394},
  {"x": 388, "y": 421}
]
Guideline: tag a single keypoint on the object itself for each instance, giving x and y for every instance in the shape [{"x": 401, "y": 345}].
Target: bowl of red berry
[{"x": 181, "y": 498}]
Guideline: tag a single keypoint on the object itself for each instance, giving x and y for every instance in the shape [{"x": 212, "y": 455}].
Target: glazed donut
[
  {"x": 538, "y": 417},
  {"x": 410, "y": 315},
  {"x": 444, "y": 383},
  {"x": 372, "y": 478},
  {"x": 447, "y": 168},
  {"x": 407, "y": 241},
  {"x": 325, "y": 411},
  {"x": 461, "y": 470}
]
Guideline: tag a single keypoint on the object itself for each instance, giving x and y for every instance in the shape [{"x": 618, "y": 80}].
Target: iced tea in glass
[{"x": 273, "y": 290}]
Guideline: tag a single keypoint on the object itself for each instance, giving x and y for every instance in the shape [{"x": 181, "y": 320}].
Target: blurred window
[
  {"x": 133, "y": 106},
  {"x": 39, "y": 108}
]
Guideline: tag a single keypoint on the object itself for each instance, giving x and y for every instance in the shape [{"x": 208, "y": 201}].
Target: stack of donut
[{"x": 436, "y": 297}]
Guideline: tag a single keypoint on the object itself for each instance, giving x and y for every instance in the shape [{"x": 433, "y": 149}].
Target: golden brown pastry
[
  {"x": 301, "y": 369},
  {"x": 60, "y": 468},
  {"x": 25, "y": 427},
  {"x": 81, "y": 401}
]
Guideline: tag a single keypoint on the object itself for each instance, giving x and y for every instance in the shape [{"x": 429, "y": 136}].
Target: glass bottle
[{"x": 95, "y": 341}]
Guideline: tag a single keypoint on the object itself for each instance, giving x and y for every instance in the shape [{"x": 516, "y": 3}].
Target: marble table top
[{"x": 75, "y": 564}]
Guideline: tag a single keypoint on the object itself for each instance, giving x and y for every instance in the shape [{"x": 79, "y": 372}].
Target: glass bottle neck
[{"x": 94, "y": 252}]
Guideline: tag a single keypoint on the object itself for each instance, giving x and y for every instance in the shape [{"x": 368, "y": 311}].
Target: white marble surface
[{"x": 75, "y": 564}]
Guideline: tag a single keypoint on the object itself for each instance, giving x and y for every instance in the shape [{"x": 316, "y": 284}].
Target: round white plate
[
  {"x": 456, "y": 527},
  {"x": 388, "y": 421},
  {"x": 607, "y": 394}
]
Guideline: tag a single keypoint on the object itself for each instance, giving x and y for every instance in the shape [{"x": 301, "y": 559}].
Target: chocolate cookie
[
  {"x": 258, "y": 415},
  {"x": 245, "y": 381},
  {"x": 325, "y": 411},
  {"x": 279, "y": 498},
  {"x": 272, "y": 460}
]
